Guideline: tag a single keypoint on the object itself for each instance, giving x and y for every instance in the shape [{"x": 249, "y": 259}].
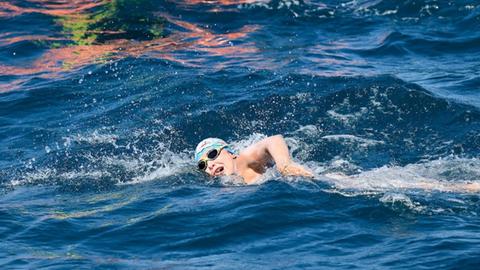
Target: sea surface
[{"x": 103, "y": 102}]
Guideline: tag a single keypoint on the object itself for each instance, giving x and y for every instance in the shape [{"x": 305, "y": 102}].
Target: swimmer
[{"x": 216, "y": 158}]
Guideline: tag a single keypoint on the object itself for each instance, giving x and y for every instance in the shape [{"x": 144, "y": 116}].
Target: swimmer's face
[{"x": 222, "y": 165}]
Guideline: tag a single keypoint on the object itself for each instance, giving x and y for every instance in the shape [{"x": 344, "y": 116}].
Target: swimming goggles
[{"x": 211, "y": 155}]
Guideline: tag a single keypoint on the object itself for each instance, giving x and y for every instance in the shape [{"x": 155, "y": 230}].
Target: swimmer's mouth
[{"x": 219, "y": 170}]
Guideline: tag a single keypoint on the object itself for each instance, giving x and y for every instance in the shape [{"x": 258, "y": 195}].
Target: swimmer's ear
[{"x": 231, "y": 151}]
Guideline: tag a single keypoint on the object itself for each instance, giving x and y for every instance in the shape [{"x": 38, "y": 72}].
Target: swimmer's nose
[{"x": 210, "y": 166}]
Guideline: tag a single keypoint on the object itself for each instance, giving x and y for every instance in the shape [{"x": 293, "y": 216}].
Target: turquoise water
[{"x": 103, "y": 102}]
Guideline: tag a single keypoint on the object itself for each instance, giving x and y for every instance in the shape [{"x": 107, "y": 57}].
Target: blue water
[{"x": 103, "y": 102}]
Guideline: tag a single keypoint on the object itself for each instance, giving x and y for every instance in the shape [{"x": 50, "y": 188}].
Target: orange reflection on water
[
  {"x": 215, "y": 44},
  {"x": 177, "y": 47},
  {"x": 57, "y": 60},
  {"x": 49, "y": 7},
  {"x": 14, "y": 39},
  {"x": 53, "y": 62}
]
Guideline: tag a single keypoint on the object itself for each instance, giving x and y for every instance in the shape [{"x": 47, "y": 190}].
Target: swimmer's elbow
[
  {"x": 274, "y": 142},
  {"x": 277, "y": 138},
  {"x": 271, "y": 141},
  {"x": 277, "y": 148}
]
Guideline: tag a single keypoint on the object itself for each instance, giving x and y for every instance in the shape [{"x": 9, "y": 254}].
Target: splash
[
  {"x": 102, "y": 158},
  {"x": 443, "y": 175},
  {"x": 348, "y": 138}
]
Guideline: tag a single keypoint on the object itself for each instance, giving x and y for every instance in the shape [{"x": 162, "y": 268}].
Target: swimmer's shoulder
[
  {"x": 252, "y": 154},
  {"x": 256, "y": 151}
]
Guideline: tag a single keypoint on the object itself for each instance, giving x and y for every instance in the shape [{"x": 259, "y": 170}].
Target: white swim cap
[{"x": 209, "y": 144}]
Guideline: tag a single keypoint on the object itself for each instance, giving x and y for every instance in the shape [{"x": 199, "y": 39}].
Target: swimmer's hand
[{"x": 293, "y": 169}]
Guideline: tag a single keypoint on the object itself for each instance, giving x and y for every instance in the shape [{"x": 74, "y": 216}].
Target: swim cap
[{"x": 209, "y": 144}]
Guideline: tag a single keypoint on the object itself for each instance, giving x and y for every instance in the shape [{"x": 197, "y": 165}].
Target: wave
[
  {"x": 360, "y": 127},
  {"x": 415, "y": 10},
  {"x": 199, "y": 33},
  {"x": 399, "y": 44},
  {"x": 427, "y": 187},
  {"x": 328, "y": 9}
]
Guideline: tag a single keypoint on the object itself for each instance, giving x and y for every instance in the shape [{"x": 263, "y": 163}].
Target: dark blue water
[{"x": 103, "y": 102}]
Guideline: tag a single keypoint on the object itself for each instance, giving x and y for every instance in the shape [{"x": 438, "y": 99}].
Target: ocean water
[{"x": 103, "y": 102}]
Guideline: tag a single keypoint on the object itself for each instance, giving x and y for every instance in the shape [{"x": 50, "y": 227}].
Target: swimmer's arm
[{"x": 277, "y": 149}]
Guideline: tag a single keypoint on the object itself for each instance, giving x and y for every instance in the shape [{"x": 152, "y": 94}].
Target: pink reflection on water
[
  {"x": 14, "y": 38},
  {"x": 53, "y": 62},
  {"x": 215, "y": 44},
  {"x": 49, "y": 7}
]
